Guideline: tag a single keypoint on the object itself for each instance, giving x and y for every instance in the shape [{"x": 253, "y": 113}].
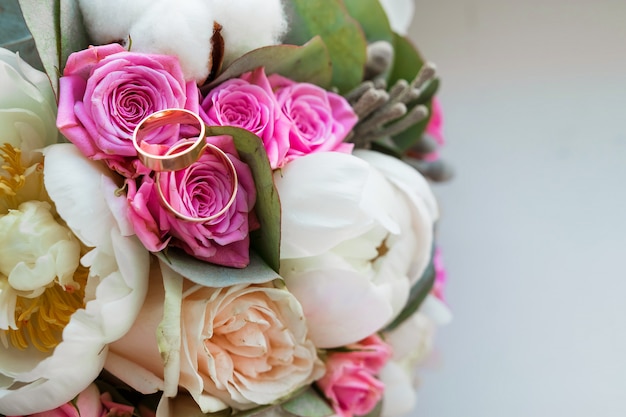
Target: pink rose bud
[
  {"x": 248, "y": 102},
  {"x": 198, "y": 191},
  {"x": 105, "y": 91},
  {"x": 350, "y": 382},
  {"x": 319, "y": 120}
]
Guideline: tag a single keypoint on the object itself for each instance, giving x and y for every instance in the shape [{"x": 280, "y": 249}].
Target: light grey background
[{"x": 534, "y": 224}]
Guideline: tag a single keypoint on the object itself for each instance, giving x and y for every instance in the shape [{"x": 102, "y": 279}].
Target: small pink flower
[
  {"x": 440, "y": 274},
  {"x": 434, "y": 128},
  {"x": 200, "y": 190},
  {"x": 90, "y": 403},
  {"x": 105, "y": 91},
  {"x": 319, "y": 120},
  {"x": 248, "y": 102},
  {"x": 350, "y": 381}
]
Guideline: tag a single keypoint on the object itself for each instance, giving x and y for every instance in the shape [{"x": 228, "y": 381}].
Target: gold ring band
[
  {"x": 235, "y": 185},
  {"x": 169, "y": 161}
]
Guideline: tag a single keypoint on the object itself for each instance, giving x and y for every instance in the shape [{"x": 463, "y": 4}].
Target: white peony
[
  {"x": 113, "y": 281},
  {"x": 357, "y": 232},
  {"x": 27, "y": 105},
  {"x": 185, "y": 28}
]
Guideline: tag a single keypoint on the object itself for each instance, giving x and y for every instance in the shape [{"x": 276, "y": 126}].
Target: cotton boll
[
  {"x": 109, "y": 21},
  {"x": 183, "y": 29},
  {"x": 248, "y": 24}
]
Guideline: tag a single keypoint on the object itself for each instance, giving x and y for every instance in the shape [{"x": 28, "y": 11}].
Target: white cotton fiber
[
  {"x": 184, "y": 27},
  {"x": 180, "y": 28},
  {"x": 249, "y": 24}
]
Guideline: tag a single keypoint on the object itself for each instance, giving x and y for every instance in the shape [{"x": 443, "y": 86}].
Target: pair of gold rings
[{"x": 181, "y": 155}]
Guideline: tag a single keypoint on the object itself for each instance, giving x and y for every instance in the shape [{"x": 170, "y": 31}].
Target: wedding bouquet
[{"x": 217, "y": 207}]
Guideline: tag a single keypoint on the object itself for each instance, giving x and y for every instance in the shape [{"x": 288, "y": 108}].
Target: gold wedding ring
[{"x": 170, "y": 161}]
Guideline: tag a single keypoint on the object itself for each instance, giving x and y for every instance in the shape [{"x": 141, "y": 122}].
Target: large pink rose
[
  {"x": 105, "y": 91},
  {"x": 200, "y": 190},
  {"x": 248, "y": 102},
  {"x": 319, "y": 120},
  {"x": 350, "y": 381}
]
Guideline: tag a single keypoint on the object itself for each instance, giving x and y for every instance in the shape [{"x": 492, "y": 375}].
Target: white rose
[
  {"x": 27, "y": 105},
  {"x": 54, "y": 366},
  {"x": 238, "y": 346},
  {"x": 357, "y": 232}
]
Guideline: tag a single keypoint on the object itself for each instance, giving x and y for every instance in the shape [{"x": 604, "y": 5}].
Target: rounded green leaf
[
  {"x": 341, "y": 33},
  {"x": 372, "y": 18}
]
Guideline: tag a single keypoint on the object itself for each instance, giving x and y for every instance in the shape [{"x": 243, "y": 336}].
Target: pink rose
[
  {"x": 105, "y": 91},
  {"x": 319, "y": 120},
  {"x": 90, "y": 403},
  {"x": 350, "y": 381},
  {"x": 434, "y": 128},
  {"x": 200, "y": 190},
  {"x": 248, "y": 102},
  {"x": 440, "y": 274}
]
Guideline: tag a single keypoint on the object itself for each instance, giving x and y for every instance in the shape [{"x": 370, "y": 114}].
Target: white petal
[
  {"x": 327, "y": 198},
  {"x": 437, "y": 310},
  {"x": 400, "y": 14},
  {"x": 341, "y": 305},
  {"x": 399, "y": 397},
  {"x": 73, "y": 183}
]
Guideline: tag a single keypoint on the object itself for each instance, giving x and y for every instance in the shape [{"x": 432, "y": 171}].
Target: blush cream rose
[
  {"x": 356, "y": 255},
  {"x": 238, "y": 346},
  {"x": 200, "y": 190},
  {"x": 105, "y": 91}
]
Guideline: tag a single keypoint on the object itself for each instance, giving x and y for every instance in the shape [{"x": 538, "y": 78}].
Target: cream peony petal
[
  {"x": 341, "y": 306},
  {"x": 322, "y": 207},
  {"x": 419, "y": 197},
  {"x": 73, "y": 183}
]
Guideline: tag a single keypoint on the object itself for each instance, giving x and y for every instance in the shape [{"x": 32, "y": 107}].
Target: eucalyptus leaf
[
  {"x": 73, "y": 33},
  {"x": 265, "y": 240},
  {"x": 372, "y": 18},
  {"x": 307, "y": 63},
  {"x": 211, "y": 275},
  {"x": 418, "y": 294},
  {"x": 43, "y": 20},
  {"x": 341, "y": 33},
  {"x": 308, "y": 404}
]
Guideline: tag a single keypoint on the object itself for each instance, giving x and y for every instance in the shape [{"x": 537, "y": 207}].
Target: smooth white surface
[{"x": 534, "y": 224}]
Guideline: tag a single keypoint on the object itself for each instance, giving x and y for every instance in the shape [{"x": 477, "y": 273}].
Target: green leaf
[
  {"x": 418, "y": 294},
  {"x": 372, "y": 18},
  {"x": 406, "y": 65},
  {"x": 265, "y": 240},
  {"x": 43, "y": 20},
  {"x": 341, "y": 33},
  {"x": 308, "y": 404},
  {"x": 210, "y": 275},
  {"x": 73, "y": 33},
  {"x": 307, "y": 63}
]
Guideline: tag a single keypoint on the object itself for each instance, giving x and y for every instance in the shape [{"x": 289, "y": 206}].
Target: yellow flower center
[{"x": 40, "y": 320}]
